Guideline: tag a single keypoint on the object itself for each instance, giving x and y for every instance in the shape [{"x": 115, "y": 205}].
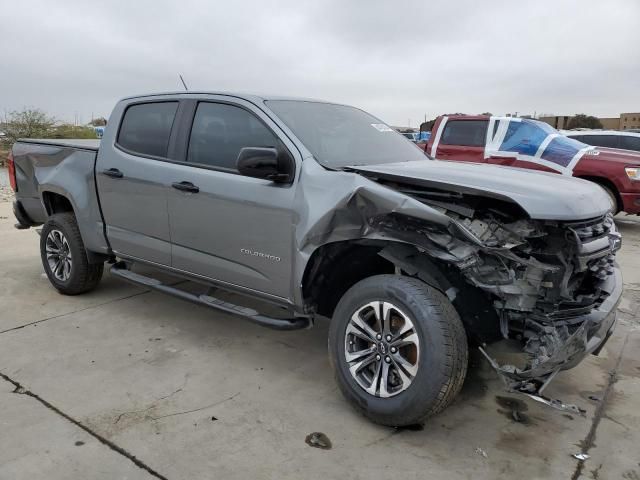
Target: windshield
[{"x": 340, "y": 136}]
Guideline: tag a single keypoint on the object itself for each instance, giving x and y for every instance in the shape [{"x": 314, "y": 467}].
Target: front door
[
  {"x": 224, "y": 226},
  {"x": 132, "y": 185}
]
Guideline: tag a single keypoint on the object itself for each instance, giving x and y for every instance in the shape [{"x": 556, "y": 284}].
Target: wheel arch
[
  {"x": 335, "y": 267},
  {"x": 605, "y": 182},
  {"x": 56, "y": 202}
]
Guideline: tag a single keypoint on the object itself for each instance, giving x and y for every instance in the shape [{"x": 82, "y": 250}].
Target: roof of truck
[
  {"x": 622, "y": 133},
  {"x": 248, "y": 96}
]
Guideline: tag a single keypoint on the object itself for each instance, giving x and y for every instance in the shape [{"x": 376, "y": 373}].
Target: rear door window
[
  {"x": 146, "y": 128},
  {"x": 610, "y": 141},
  {"x": 220, "y": 131},
  {"x": 630, "y": 143},
  {"x": 469, "y": 133}
]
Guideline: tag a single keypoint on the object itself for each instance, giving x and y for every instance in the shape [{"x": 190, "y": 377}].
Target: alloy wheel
[
  {"x": 382, "y": 349},
  {"x": 59, "y": 255}
]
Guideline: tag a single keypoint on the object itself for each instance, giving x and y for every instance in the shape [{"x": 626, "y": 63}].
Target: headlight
[{"x": 633, "y": 173}]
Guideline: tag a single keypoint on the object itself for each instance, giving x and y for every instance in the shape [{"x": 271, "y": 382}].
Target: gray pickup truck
[{"x": 323, "y": 210}]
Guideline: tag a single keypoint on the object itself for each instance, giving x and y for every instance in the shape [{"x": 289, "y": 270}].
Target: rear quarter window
[
  {"x": 146, "y": 128},
  {"x": 469, "y": 133}
]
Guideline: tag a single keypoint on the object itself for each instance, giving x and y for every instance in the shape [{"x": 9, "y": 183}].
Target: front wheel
[
  {"x": 64, "y": 257},
  {"x": 398, "y": 349}
]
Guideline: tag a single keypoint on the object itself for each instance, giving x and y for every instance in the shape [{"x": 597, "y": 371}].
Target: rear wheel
[
  {"x": 64, "y": 257},
  {"x": 398, "y": 349}
]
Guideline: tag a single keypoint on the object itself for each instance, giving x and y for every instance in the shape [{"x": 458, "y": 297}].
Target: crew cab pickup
[
  {"x": 325, "y": 211},
  {"x": 528, "y": 143}
]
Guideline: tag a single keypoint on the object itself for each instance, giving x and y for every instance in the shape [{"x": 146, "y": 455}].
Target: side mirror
[{"x": 266, "y": 163}]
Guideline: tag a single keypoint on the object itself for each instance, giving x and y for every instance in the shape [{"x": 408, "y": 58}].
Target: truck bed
[
  {"x": 58, "y": 175},
  {"x": 79, "y": 143}
]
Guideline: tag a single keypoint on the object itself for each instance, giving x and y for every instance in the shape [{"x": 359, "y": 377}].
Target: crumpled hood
[{"x": 542, "y": 195}]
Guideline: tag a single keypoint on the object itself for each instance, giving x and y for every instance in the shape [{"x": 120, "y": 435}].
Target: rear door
[
  {"x": 132, "y": 182},
  {"x": 230, "y": 228},
  {"x": 462, "y": 140}
]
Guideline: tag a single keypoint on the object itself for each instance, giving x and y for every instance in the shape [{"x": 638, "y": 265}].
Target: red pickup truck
[{"x": 528, "y": 143}]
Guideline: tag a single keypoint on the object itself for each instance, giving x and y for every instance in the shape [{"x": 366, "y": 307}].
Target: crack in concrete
[
  {"x": 75, "y": 311},
  {"x": 589, "y": 440},
  {"x": 119, "y": 417},
  {"x": 197, "y": 409},
  {"x": 164, "y": 397},
  {"x": 19, "y": 389}
]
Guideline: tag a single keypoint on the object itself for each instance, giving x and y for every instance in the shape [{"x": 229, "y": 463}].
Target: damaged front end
[{"x": 554, "y": 285}]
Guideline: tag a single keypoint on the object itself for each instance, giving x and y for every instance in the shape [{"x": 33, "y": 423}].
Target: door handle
[
  {"x": 185, "y": 187},
  {"x": 113, "y": 173}
]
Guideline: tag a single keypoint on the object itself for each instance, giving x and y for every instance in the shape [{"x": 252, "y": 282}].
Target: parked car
[
  {"x": 607, "y": 138},
  {"x": 532, "y": 144},
  {"x": 411, "y": 136},
  {"x": 424, "y": 136},
  {"x": 324, "y": 210}
]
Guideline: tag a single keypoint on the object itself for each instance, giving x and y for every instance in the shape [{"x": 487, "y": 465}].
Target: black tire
[
  {"x": 83, "y": 276},
  {"x": 442, "y": 362}
]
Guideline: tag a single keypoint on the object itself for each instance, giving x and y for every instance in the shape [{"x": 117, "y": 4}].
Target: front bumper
[
  {"x": 594, "y": 330},
  {"x": 630, "y": 203}
]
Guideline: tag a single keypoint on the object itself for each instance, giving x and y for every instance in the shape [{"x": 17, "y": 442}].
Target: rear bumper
[
  {"x": 630, "y": 202},
  {"x": 21, "y": 216}
]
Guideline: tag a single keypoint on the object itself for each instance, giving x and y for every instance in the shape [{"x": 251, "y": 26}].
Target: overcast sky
[{"x": 398, "y": 60}]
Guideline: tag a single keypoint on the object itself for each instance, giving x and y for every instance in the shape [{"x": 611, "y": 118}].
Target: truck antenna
[{"x": 183, "y": 84}]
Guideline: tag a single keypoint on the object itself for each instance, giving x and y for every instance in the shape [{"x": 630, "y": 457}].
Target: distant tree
[
  {"x": 98, "y": 122},
  {"x": 27, "y": 123},
  {"x": 427, "y": 126},
  {"x": 488, "y": 114},
  {"x": 583, "y": 121},
  {"x": 66, "y": 130}
]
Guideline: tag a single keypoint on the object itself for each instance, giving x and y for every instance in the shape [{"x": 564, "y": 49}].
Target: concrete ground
[{"x": 125, "y": 383}]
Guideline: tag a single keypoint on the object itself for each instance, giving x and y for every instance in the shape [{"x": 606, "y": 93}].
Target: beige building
[
  {"x": 559, "y": 122},
  {"x": 629, "y": 120},
  {"x": 610, "y": 123},
  {"x": 624, "y": 122}
]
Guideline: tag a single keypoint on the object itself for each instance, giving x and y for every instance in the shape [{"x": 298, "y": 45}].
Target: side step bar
[{"x": 296, "y": 323}]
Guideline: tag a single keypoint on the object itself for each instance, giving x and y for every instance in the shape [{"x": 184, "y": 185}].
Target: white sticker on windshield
[{"x": 381, "y": 127}]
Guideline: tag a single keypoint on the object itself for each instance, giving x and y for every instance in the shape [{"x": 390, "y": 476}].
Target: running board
[{"x": 295, "y": 323}]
